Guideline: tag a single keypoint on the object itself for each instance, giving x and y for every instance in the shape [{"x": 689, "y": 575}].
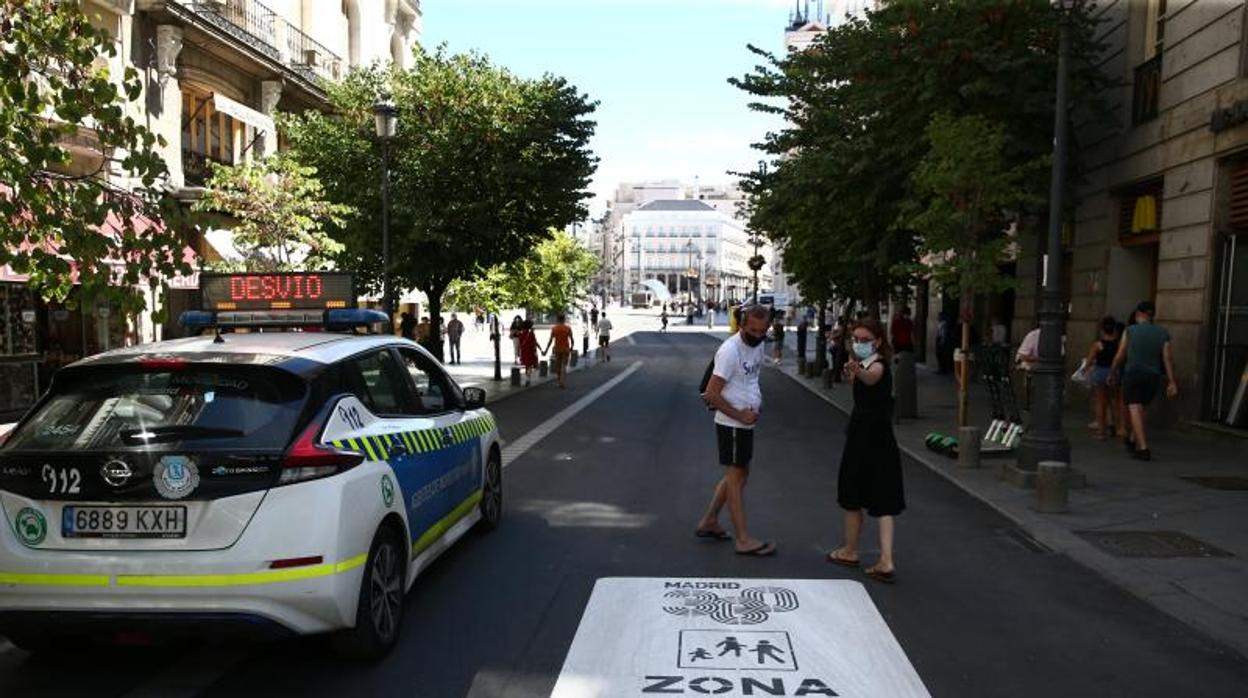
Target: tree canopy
[
  {"x": 106, "y": 229},
  {"x": 484, "y": 165},
  {"x": 551, "y": 278},
  {"x": 858, "y": 104}
]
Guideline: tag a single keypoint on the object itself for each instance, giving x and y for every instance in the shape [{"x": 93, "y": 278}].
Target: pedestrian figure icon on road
[
  {"x": 740, "y": 650},
  {"x": 765, "y": 650},
  {"x": 730, "y": 644}
]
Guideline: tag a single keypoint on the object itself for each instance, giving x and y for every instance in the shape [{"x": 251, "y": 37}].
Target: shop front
[{"x": 19, "y": 347}]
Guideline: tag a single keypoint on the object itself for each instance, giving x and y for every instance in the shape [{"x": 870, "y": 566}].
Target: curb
[{"x": 1179, "y": 606}]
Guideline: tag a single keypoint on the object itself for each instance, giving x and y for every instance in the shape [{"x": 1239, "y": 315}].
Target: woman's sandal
[
  {"x": 835, "y": 558},
  {"x": 880, "y": 575}
]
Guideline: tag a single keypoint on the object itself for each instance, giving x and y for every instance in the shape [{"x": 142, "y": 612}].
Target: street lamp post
[
  {"x": 1044, "y": 439},
  {"x": 386, "y": 116},
  {"x": 689, "y": 248}
]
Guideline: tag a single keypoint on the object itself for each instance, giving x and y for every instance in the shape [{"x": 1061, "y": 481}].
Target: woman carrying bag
[{"x": 870, "y": 474}]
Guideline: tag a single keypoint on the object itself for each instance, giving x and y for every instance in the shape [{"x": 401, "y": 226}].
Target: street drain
[
  {"x": 1150, "y": 544},
  {"x": 1025, "y": 540},
  {"x": 1218, "y": 482}
]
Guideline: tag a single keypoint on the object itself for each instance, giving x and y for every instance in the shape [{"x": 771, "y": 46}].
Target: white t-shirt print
[{"x": 739, "y": 364}]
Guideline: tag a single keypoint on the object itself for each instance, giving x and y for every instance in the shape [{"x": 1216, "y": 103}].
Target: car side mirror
[{"x": 474, "y": 398}]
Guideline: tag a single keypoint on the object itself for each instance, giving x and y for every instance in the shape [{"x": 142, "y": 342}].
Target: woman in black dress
[{"x": 870, "y": 475}]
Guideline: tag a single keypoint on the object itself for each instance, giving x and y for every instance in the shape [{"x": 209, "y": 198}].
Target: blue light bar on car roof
[{"x": 333, "y": 319}]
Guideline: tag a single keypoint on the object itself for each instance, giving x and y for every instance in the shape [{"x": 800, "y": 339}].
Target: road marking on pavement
[
  {"x": 631, "y": 342},
  {"x": 781, "y": 637},
  {"x": 516, "y": 448},
  {"x": 190, "y": 676}
]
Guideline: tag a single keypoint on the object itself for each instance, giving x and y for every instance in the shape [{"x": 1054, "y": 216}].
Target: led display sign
[{"x": 277, "y": 291}]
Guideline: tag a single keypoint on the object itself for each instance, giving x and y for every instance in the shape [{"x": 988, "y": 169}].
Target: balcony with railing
[{"x": 254, "y": 24}]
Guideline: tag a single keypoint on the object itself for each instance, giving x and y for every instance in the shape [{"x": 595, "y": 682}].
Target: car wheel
[
  {"x": 492, "y": 494},
  {"x": 379, "y": 614}
]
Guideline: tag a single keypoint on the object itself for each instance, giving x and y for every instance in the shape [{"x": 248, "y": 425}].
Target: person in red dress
[{"x": 528, "y": 350}]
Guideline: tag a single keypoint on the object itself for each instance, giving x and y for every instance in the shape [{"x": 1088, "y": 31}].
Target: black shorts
[
  {"x": 1140, "y": 387},
  {"x": 736, "y": 446},
  {"x": 604, "y": 340}
]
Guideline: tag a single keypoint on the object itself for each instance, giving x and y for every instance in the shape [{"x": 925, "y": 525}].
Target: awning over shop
[{"x": 243, "y": 113}]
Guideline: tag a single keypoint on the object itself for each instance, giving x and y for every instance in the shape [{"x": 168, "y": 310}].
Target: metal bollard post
[
  {"x": 543, "y": 368},
  {"x": 968, "y": 447},
  {"x": 801, "y": 366},
  {"x": 827, "y": 377},
  {"x": 906, "y": 388},
  {"x": 515, "y": 376},
  {"x": 1051, "y": 487}
]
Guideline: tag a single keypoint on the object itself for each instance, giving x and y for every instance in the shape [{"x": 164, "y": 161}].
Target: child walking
[{"x": 870, "y": 474}]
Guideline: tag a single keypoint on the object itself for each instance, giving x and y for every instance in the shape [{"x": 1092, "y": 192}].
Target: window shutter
[{"x": 1239, "y": 195}]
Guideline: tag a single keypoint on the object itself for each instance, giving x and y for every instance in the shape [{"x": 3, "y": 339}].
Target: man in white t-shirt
[
  {"x": 733, "y": 391},
  {"x": 604, "y": 337}
]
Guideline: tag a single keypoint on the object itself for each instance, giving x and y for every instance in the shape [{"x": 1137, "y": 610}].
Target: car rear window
[{"x": 128, "y": 406}]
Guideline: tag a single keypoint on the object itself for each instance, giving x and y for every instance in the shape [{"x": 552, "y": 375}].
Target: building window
[
  {"x": 1155, "y": 29},
  {"x": 207, "y": 136},
  {"x": 1139, "y": 213}
]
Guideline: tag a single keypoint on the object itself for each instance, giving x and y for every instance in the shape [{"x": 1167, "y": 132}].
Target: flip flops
[
  {"x": 836, "y": 559},
  {"x": 712, "y": 535},
  {"x": 763, "y": 549},
  {"x": 881, "y": 576}
]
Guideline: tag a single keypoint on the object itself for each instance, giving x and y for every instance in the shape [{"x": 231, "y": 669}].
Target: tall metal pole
[
  {"x": 1044, "y": 439},
  {"x": 387, "y": 302}
]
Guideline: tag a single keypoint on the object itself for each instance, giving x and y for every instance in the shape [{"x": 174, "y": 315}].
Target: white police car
[{"x": 295, "y": 481}]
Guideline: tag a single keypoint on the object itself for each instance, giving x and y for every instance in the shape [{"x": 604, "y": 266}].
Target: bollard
[
  {"x": 1051, "y": 487},
  {"x": 968, "y": 447},
  {"x": 801, "y": 366},
  {"x": 906, "y": 390},
  {"x": 572, "y": 359},
  {"x": 811, "y": 369},
  {"x": 543, "y": 369},
  {"x": 827, "y": 377},
  {"x": 515, "y": 376}
]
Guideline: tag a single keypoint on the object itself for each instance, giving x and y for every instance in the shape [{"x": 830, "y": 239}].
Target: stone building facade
[{"x": 1162, "y": 210}]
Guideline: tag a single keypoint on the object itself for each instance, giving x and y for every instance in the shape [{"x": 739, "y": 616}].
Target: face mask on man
[
  {"x": 864, "y": 350},
  {"x": 751, "y": 340}
]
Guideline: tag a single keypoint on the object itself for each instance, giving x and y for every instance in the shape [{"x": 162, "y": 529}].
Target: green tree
[
  {"x": 972, "y": 196},
  {"x": 553, "y": 277},
  {"x": 487, "y": 290},
  {"x": 857, "y": 104},
  {"x": 281, "y": 214},
  {"x": 484, "y": 165},
  {"x": 64, "y": 228}
]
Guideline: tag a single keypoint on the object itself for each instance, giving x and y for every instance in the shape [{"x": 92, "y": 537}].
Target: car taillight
[{"x": 308, "y": 460}]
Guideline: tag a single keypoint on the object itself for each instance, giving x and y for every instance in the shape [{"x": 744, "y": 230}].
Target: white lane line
[
  {"x": 631, "y": 342},
  {"x": 190, "y": 676},
  {"x": 516, "y": 448}
]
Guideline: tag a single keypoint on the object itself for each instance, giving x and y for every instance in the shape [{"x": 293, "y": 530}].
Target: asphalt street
[{"x": 980, "y": 609}]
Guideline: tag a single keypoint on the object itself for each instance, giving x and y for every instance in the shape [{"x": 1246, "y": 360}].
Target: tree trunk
[
  {"x": 821, "y": 340},
  {"x": 963, "y": 367},
  {"x": 434, "y": 342}
]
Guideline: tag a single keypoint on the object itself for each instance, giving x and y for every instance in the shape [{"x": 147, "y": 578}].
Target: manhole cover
[
  {"x": 1150, "y": 544},
  {"x": 1218, "y": 482}
]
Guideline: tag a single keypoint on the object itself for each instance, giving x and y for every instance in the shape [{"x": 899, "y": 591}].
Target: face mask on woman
[{"x": 864, "y": 350}]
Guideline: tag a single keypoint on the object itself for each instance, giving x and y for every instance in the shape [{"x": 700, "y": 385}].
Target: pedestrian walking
[
  {"x": 480, "y": 319},
  {"x": 593, "y": 318},
  {"x": 528, "y": 350},
  {"x": 455, "y": 333},
  {"x": 710, "y": 315},
  {"x": 733, "y": 391},
  {"x": 422, "y": 331},
  {"x": 407, "y": 326},
  {"x": 561, "y": 338},
  {"x": 902, "y": 331},
  {"x": 517, "y": 328},
  {"x": 777, "y": 336},
  {"x": 663, "y": 319},
  {"x": 803, "y": 329},
  {"x": 1101, "y": 360},
  {"x": 870, "y": 475},
  {"x": 1145, "y": 354},
  {"x": 604, "y": 336}
]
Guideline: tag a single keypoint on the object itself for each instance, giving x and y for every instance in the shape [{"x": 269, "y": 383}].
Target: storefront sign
[
  {"x": 184, "y": 283},
  {"x": 1233, "y": 115},
  {"x": 28, "y": 316},
  {"x": 733, "y": 637}
]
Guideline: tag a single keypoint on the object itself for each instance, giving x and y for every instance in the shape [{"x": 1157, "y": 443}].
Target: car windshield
[{"x": 128, "y": 406}]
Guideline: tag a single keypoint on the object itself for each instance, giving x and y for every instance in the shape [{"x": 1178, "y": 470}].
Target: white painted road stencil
[{"x": 642, "y": 637}]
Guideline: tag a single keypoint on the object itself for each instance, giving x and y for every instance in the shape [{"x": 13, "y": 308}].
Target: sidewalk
[{"x": 1208, "y": 591}]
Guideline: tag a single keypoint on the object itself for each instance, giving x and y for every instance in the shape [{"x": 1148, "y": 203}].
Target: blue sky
[{"x": 658, "y": 67}]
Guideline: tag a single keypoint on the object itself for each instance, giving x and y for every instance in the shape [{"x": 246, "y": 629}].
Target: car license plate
[{"x": 123, "y": 522}]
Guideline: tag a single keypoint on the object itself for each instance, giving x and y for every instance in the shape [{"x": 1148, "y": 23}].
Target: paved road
[{"x": 616, "y": 491}]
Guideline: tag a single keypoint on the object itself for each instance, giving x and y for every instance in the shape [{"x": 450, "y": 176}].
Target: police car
[{"x": 296, "y": 481}]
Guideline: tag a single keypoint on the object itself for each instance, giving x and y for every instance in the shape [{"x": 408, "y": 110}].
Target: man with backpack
[{"x": 732, "y": 390}]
